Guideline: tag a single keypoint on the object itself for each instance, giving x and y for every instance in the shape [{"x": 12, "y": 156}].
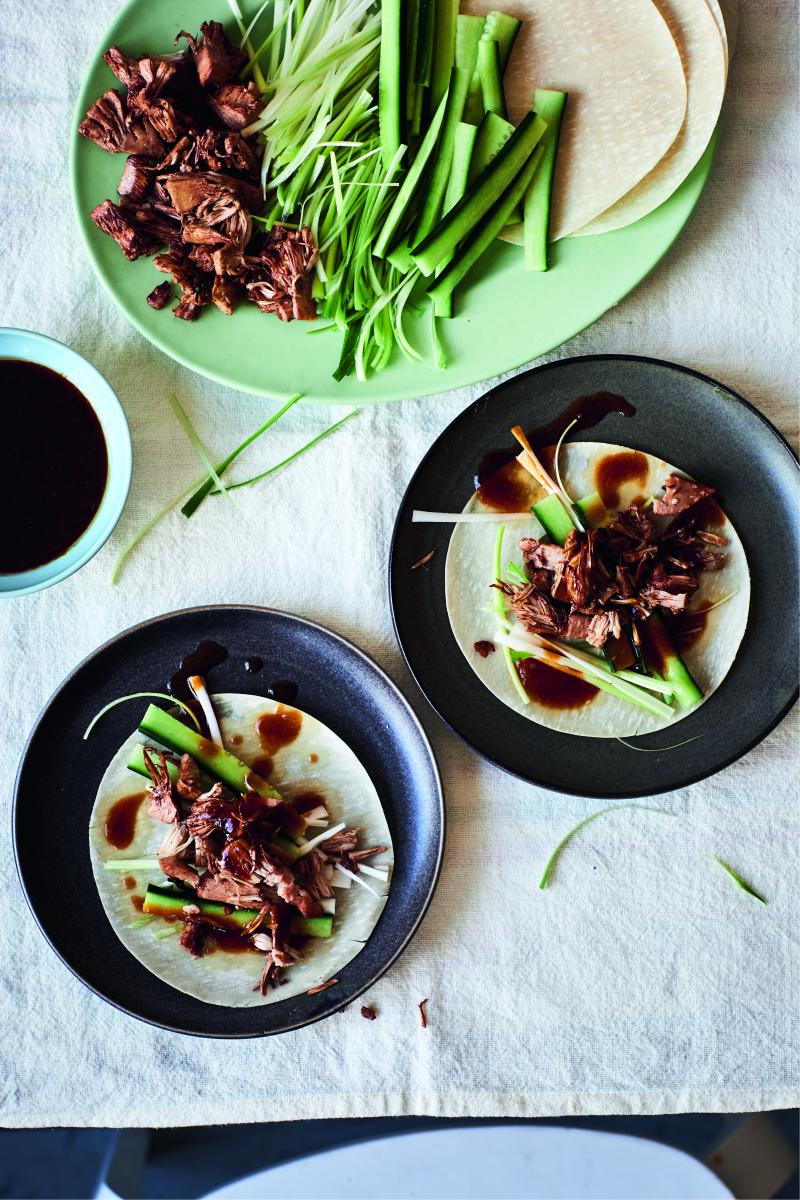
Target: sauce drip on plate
[
  {"x": 205, "y": 656},
  {"x": 500, "y": 482},
  {"x": 55, "y": 465},
  {"x": 120, "y": 824}
]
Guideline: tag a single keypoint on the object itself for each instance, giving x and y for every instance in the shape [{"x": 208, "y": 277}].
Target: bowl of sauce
[{"x": 68, "y": 460}]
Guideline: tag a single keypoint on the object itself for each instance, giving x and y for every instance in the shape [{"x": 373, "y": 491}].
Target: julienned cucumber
[
  {"x": 164, "y": 902},
  {"x": 550, "y": 106},
  {"x": 445, "y": 17},
  {"x": 409, "y": 185},
  {"x": 390, "y": 100},
  {"x": 442, "y": 162},
  {"x": 487, "y": 190},
  {"x": 218, "y": 763},
  {"x": 501, "y": 28},
  {"x": 484, "y": 234},
  {"x": 557, "y": 522}
]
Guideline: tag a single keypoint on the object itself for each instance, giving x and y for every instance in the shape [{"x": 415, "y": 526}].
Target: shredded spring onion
[
  {"x": 548, "y": 870},
  {"x": 140, "y": 696},
  {"x": 743, "y": 884},
  {"x": 357, "y": 879},
  {"x": 131, "y": 864},
  {"x": 660, "y": 749},
  {"x": 307, "y": 847},
  {"x": 420, "y": 515},
  {"x": 499, "y": 603},
  {"x": 198, "y": 446},
  {"x": 198, "y": 689}
]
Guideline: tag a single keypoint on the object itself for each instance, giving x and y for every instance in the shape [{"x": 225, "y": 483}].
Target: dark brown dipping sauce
[
  {"x": 129, "y": 883},
  {"x": 313, "y": 758},
  {"x": 278, "y": 729},
  {"x": 615, "y": 470},
  {"x": 554, "y": 689},
  {"x": 237, "y": 739},
  {"x": 262, "y": 766},
  {"x": 484, "y": 648},
  {"x": 708, "y": 514},
  {"x": 205, "y": 656},
  {"x": 508, "y": 492},
  {"x": 253, "y": 664},
  {"x": 120, "y": 823},
  {"x": 138, "y": 903},
  {"x": 283, "y": 690},
  {"x": 55, "y": 465}
]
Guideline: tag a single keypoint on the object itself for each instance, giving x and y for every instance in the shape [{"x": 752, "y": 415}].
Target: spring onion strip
[
  {"x": 375, "y": 872},
  {"x": 357, "y": 878},
  {"x": 499, "y": 605},
  {"x": 743, "y": 884},
  {"x": 480, "y": 518},
  {"x": 353, "y": 412},
  {"x": 439, "y": 356},
  {"x": 197, "y": 686},
  {"x": 237, "y": 13},
  {"x": 548, "y": 870},
  {"x": 139, "y": 696},
  {"x": 308, "y": 846},
  {"x": 197, "y": 445},
  {"x": 564, "y": 491},
  {"x": 659, "y": 749},
  {"x": 701, "y": 612},
  {"x": 131, "y": 864},
  {"x": 142, "y": 532},
  {"x": 200, "y": 494},
  {"x": 141, "y": 921}
]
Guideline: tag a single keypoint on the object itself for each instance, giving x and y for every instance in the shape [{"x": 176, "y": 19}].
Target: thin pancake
[
  {"x": 699, "y": 43},
  {"x": 469, "y": 576},
  {"x": 627, "y": 94},
  {"x": 316, "y": 761}
]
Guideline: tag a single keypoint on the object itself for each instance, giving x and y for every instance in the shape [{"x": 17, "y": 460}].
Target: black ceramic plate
[
  {"x": 704, "y": 429},
  {"x": 336, "y": 683}
]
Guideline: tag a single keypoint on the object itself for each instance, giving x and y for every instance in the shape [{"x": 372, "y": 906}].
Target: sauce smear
[
  {"x": 120, "y": 824},
  {"x": 55, "y": 466},
  {"x": 278, "y": 729},
  {"x": 552, "y": 688},
  {"x": 615, "y": 470}
]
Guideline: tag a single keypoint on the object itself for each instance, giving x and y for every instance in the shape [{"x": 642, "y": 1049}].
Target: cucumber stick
[
  {"x": 491, "y": 78},
  {"x": 473, "y": 27},
  {"x": 492, "y": 134},
  {"x": 485, "y": 232},
  {"x": 218, "y": 763},
  {"x": 550, "y": 106},
  {"x": 487, "y": 190},
  {"x": 456, "y": 187},
  {"x": 163, "y": 902},
  {"x": 444, "y": 48},
  {"x": 499, "y": 27},
  {"x": 409, "y": 185},
  {"x": 440, "y": 170},
  {"x": 390, "y": 97},
  {"x": 556, "y": 520}
]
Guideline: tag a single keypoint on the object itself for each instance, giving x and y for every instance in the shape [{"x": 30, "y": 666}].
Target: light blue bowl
[{"x": 35, "y": 347}]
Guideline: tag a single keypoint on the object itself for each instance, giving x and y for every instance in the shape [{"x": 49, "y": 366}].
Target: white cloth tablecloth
[{"x": 644, "y": 981}]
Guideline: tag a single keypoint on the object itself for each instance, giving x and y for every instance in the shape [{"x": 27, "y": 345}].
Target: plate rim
[
  {"x": 555, "y": 364},
  {"x": 331, "y": 397},
  {"x": 286, "y": 1027}
]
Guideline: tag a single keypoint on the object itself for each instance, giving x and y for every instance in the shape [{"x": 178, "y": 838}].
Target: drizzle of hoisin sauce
[
  {"x": 615, "y": 470},
  {"x": 120, "y": 823},
  {"x": 129, "y": 883},
  {"x": 205, "y": 656},
  {"x": 552, "y": 688},
  {"x": 499, "y": 481},
  {"x": 278, "y": 729},
  {"x": 138, "y": 903}
]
